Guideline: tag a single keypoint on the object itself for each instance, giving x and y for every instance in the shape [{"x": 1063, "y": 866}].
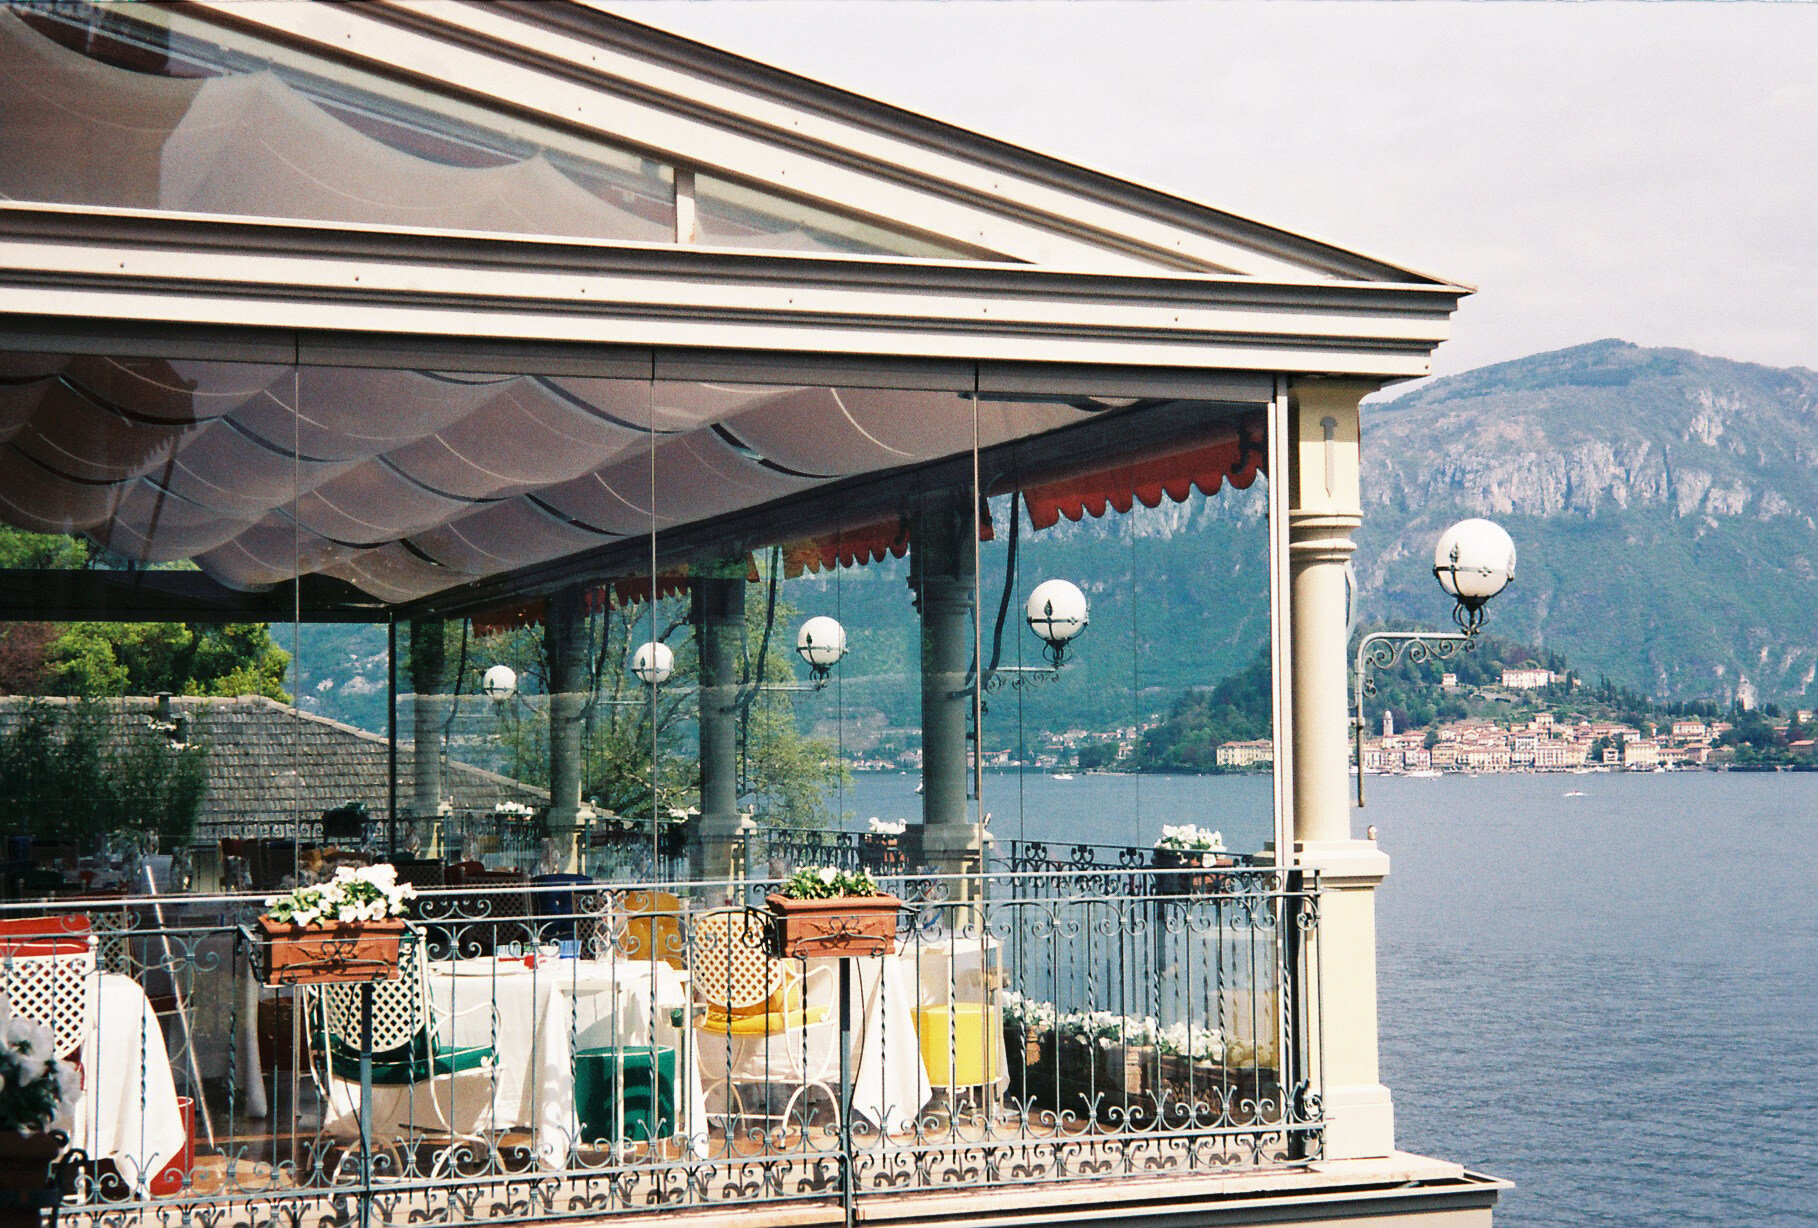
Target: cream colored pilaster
[{"x": 1324, "y": 510}]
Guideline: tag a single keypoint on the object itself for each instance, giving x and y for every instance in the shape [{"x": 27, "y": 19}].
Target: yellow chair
[
  {"x": 962, "y": 1044},
  {"x": 758, "y": 1029},
  {"x": 652, "y": 927}
]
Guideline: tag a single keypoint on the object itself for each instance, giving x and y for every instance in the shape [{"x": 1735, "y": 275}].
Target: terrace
[{"x": 562, "y": 369}]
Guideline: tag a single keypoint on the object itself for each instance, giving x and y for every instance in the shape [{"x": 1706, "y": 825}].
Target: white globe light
[
  {"x": 1057, "y": 611},
  {"x": 821, "y": 642},
  {"x": 1475, "y": 560},
  {"x": 652, "y": 663},
  {"x": 499, "y": 683}
]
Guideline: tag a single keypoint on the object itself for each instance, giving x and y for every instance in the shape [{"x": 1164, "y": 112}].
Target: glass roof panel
[
  {"x": 732, "y": 214},
  {"x": 133, "y": 106}
]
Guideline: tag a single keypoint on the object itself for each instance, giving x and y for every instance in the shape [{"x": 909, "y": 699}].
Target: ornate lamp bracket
[{"x": 1382, "y": 649}]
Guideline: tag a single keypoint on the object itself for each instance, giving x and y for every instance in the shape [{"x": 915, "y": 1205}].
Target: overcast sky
[{"x": 1643, "y": 171}]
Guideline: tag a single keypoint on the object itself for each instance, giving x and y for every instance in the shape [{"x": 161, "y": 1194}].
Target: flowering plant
[
  {"x": 512, "y": 810},
  {"x": 1191, "y": 845},
  {"x": 1194, "y": 1041},
  {"x": 370, "y": 893},
  {"x": 1187, "y": 838},
  {"x": 37, "y": 1092},
  {"x": 1034, "y": 1017},
  {"x": 884, "y": 827},
  {"x": 825, "y": 882}
]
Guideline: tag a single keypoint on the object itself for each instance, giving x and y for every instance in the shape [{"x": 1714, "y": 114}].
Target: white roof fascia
[
  {"x": 138, "y": 266},
  {"x": 707, "y": 111}
]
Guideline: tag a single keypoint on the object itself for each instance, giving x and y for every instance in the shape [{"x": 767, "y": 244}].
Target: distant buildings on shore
[{"x": 1543, "y": 744}]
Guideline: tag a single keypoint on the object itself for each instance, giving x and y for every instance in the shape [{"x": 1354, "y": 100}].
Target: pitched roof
[{"x": 269, "y": 763}]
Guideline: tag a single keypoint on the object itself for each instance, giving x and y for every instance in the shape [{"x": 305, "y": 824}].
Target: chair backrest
[
  {"x": 731, "y": 967},
  {"x": 652, "y": 927},
  {"x": 52, "y": 981},
  {"x": 400, "y": 1008},
  {"x": 57, "y": 926}
]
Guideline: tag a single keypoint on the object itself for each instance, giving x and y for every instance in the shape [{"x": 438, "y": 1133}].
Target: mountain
[{"x": 1662, "y": 502}]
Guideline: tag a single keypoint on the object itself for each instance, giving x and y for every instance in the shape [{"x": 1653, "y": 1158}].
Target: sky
[{"x": 1647, "y": 171}]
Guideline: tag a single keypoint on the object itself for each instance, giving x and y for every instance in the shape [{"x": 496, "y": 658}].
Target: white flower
[{"x": 828, "y": 874}]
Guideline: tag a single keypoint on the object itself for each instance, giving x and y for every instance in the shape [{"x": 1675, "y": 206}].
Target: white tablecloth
[
  {"x": 889, "y": 1082},
  {"x": 534, "y": 1020},
  {"x": 129, "y": 1100},
  {"x": 944, "y": 967}
]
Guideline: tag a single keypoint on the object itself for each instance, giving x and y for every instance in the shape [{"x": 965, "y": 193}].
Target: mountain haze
[{"x": 1662, "y": 502}]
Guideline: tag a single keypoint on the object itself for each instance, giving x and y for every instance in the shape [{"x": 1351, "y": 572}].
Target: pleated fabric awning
[{"x": 260, "y": 472}]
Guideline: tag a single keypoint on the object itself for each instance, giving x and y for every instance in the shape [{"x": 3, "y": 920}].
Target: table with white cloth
[
  {"x": 960, "y": 968},
  {"x": 128, "y": 1112},
  {"x": 889, "y": 1083},
  {"x": 534, "y": 1020}
]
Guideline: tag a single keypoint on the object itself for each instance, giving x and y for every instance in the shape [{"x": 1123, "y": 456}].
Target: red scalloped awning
[
  {"x": 611, "y": 595},
  {"x": 1236, "y": 459}
]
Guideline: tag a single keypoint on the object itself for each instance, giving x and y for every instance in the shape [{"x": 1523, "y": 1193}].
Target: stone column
[
  {"x": 1324, "y": 509},
  {"x": 718, "y": 613},
  {"x": 429, "y": 707},
  {"x": 940, "y": 574},
  {"x": 565, "y": 648}
]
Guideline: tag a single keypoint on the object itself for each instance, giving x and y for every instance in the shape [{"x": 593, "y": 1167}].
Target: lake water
[{"x": 1611, "y": 1000}]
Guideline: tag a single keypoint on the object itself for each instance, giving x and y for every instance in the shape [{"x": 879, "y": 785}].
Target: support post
[
  {"x": 428, "y": 664},
  {"x": 565, "y": 646},
  {"x": 1324, "y": 510},
  {"x": 718, "y": 613},
  {"x": 940, "y": 574}
]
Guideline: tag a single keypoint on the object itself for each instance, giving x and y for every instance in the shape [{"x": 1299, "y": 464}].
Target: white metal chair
[
  {"x": 409, "y": 1055},
  {"x": 53, "y": 981},
  {"x": 760, "y": 1030}
]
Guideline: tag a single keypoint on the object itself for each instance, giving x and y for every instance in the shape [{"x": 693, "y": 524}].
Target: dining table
[
  {"x": 128, "y": 1111},
  {"x": 535, "y": 1015}
]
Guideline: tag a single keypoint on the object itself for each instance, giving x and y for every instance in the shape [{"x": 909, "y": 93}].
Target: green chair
[{"x": 638, "y": 1082}]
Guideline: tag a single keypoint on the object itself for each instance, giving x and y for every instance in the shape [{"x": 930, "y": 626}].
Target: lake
[{"x": 1611, "y": 1000}]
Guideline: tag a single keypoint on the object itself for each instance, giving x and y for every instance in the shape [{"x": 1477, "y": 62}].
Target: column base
[
  {"x": 951, "y": 848},
  {"x": 1360, "y": 1122}
]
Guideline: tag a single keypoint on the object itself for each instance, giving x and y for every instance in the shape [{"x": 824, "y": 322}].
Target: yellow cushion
[{"x": 771, "y": 1024}]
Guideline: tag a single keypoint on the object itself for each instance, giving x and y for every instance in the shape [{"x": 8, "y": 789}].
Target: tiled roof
[{"x": 269, "y": 762}]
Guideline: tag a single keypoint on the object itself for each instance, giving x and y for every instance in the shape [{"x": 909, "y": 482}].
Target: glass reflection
[{"x": 132, "y": 106}]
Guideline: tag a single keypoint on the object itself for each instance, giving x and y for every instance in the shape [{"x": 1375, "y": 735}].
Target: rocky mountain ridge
[{"x": 1663, "y": 500}]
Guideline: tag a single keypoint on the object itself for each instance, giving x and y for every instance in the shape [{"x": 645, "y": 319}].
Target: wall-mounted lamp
[{"x": 1474, "y": 561}]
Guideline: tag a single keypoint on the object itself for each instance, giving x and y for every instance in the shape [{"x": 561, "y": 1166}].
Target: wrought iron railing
[{"x": 578, "y": 1049}]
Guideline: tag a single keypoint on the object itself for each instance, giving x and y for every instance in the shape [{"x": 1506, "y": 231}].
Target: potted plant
[
  {"x": 37, "y": 1096},
  {"x": 345, "y": 930},
  {"x": 1188, "y": 847},
  {"x": 822, "y": 910}
]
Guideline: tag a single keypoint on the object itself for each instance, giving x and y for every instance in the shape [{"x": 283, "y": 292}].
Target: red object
[
  {"x": 172, "y": 1176},
  {"x": 1236, "y": 459},
  {"x": 44, "y": 927}
]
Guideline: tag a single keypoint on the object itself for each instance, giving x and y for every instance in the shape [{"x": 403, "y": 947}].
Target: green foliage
[
  {"x": 63, "y": 778},
  {"x": 827, "y": 882},
  {"x": 1239, "y": 709},
  {"x": 98, "y": 659}
]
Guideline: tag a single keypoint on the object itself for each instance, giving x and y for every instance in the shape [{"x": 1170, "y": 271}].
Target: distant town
[{"x": 1534, "y": 739}]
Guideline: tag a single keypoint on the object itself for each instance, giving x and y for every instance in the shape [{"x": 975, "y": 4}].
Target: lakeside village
[{"x": 1530, "y": 738}]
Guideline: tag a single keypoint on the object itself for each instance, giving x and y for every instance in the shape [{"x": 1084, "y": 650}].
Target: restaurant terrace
[{"x": 648, "y": 436}]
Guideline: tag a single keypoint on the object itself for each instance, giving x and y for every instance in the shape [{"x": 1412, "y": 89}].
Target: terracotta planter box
[
  {"x": 347, "y": 953},
  {"x": 1196, "y": 872},
  {"x": 843, "y": 925}
]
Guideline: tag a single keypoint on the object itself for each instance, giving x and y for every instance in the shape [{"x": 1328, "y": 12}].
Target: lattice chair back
[
  {"x": 732, "y": 969},
  {"x": 398, "y": 1010},
  {"x": 53, "y": 982}
]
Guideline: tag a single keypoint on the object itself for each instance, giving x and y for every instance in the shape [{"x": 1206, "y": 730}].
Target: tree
[
  {"x": 66, "y": 773},
  {"x": 96, "y": 659}
]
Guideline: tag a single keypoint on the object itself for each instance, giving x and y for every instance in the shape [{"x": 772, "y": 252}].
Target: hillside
[{"x": 1662, "y": 501}]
